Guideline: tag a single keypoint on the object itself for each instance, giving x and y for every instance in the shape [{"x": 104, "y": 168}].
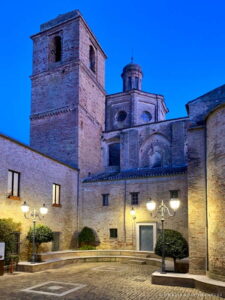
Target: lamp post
[
  {"x": 33, "y": 214},
  {"x": 163, "y": 210},
  {"x": 133, "y": 215}
]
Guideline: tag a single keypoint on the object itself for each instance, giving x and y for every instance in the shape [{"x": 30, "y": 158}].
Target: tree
[
  {"x": 175, "y": 245},
  {"x": 87, "y": 237},
  {"x": 7, "y": 235},
  {"x": 43, "y": 234}
]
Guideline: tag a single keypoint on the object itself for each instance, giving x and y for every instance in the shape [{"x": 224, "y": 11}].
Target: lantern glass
[
  {"x": 25, "y": 208},
  {"x": 174, "y": 203},
  {"x": 151, "y": 205},
  {"x": 43, "y": 210},
  {"x": 133, "y": 212}
]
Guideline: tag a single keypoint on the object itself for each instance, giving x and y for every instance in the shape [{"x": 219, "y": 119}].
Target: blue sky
[{"x": 179, "y": 44}]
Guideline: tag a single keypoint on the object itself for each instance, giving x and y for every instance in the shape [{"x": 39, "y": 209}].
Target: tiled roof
[{"x": 136, "y": 173}]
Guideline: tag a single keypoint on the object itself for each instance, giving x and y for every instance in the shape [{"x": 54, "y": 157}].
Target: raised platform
[
  {"x": 58, "y": 259},
  {"x": 200, "y": 282}
]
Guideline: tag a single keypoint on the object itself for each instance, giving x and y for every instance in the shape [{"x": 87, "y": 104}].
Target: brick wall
[
  {"x": 117, "y": 214},
  {"x": 38, "y": 173},
  {"x": 216, "y": 192}
]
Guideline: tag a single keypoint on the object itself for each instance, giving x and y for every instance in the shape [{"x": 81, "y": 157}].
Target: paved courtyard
[{"x": 91, "y": 281}]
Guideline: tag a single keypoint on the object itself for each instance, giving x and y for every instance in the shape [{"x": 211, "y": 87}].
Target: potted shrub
[
  {"x": 176, "y": 247},
  {"x": 87, "y": 239},
  {"x": 7, "y": 235},
  {"x": 43, "y": 234}
]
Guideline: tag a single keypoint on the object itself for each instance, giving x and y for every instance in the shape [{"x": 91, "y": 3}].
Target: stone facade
[
  {"x": 122, "y": 144},
  {"x": 67, "y": 95},
  {"x": 215, "y": 192},
  {"x": 117, "y": 213},
  {"x": 37, "y": 175},
  {"x": 206, "y": 183}
]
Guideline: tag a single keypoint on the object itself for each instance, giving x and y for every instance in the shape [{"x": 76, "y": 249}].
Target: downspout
[
  {"x": 206, "y": 203},
  {"x": 124, "y": 211},
  {"x": 78, "y": 201}
]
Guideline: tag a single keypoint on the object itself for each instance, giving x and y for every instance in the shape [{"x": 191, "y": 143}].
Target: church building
[{"x": 94, "y": 158}]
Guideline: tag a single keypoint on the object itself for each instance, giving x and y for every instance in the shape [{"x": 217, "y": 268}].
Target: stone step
[
  {"x": 78, "y": 253},
  {"x": 137, "y": 262},
  {"x": 57, "y": 263}
]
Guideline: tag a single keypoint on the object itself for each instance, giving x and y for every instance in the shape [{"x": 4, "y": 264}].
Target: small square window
[
  {"x": 134, "y": 198},
  {"x": 113, "y": 233},
  {"x": 174, "y": 194},
  {"x": 56, "y": 194},
  {"x": 105, "y": 199},
  {"x": 13, "y": 183}
]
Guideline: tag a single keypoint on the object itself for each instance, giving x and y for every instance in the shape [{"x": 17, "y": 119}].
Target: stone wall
[
  {"x": 38, "y": 173},
  {"x": 140, "y": 144},
  {"x": 197, "y": 200},
  {"x": 117, "y": 214},
  {"x": 216, "y": 193}
]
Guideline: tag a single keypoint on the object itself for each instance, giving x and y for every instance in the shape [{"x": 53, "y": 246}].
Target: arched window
[
  {"x": 92, "y": 58},
  {"x": 114, "y": 154},
  {"x": 56, "y": 49}
]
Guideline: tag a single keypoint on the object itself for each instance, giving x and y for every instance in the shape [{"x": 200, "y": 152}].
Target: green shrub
[
  {"x": 87, "y": 247},
  {"x": 43, "y": 234},
  {"x": 87, "y": 237},
  {"x": 175, "y": 245},
  {"x": 7, "y": 229}
]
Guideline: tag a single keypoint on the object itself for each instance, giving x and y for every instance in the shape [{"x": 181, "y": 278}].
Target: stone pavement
[{"x": 92, "y": 281}]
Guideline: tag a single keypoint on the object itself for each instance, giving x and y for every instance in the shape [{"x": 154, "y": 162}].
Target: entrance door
[{"x": 146, "y": 237}]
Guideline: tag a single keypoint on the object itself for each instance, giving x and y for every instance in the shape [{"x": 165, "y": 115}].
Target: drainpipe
[
  {"x": 124, "y": 211},
  {"x": 78, "y": 201},
  {"x": 206, "y": 203}
]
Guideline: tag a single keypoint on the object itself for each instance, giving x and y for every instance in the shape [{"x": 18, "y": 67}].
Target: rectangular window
[
  {"x": 56, "y": 194},
  {"x": 105, "y": 199},
  {"x": 13, "y": 183},
  {"x": 113, "y": 233},
  {"x": 174, "y": 194},
  {"x": 134, "y": 198}
]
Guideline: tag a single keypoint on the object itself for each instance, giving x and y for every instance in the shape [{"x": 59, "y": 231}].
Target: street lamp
[
  {"x": 162, "y": 209},
  {"x": 33, "y": 214}
]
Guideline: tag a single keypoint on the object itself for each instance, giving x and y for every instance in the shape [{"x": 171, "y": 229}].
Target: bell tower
[{"x": 68, "y": 96}]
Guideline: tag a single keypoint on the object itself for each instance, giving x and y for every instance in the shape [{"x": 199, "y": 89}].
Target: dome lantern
[{"x": 132, "y": 77}]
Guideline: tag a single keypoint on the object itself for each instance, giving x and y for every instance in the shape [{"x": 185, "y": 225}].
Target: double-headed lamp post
[
  {"x": 33, "y": 214},
  {"x": 163, "y": 210}
]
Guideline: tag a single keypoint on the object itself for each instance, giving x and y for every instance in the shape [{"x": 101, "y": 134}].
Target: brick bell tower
[{"x": 68, "y": 96}]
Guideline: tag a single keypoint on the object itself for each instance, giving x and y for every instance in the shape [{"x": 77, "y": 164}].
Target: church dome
[{"x": 132, "y": 67}]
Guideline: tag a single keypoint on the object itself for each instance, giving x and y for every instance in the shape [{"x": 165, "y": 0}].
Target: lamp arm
[{"x": 170, "y": 214}]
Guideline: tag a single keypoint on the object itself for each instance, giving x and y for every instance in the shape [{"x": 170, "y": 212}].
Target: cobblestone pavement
[{"x": 91, "y": 281}]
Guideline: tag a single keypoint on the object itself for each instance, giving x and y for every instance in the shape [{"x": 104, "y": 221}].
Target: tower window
[
  {"x": 92, "y": 58},
  {"x": 56, "y": 49},
  {"x": 136, "y": 83},
  {"x": 114, "y": 154},
  {"x": 129, "y": 83}
]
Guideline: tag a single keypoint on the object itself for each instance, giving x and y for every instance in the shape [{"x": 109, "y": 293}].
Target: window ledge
[
  {"x": 13, "y": 197},
  {"x": 56, "y": 205}
]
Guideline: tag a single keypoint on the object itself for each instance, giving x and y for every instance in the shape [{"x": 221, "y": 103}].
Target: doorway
[{"x": 146, "y": 236}]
